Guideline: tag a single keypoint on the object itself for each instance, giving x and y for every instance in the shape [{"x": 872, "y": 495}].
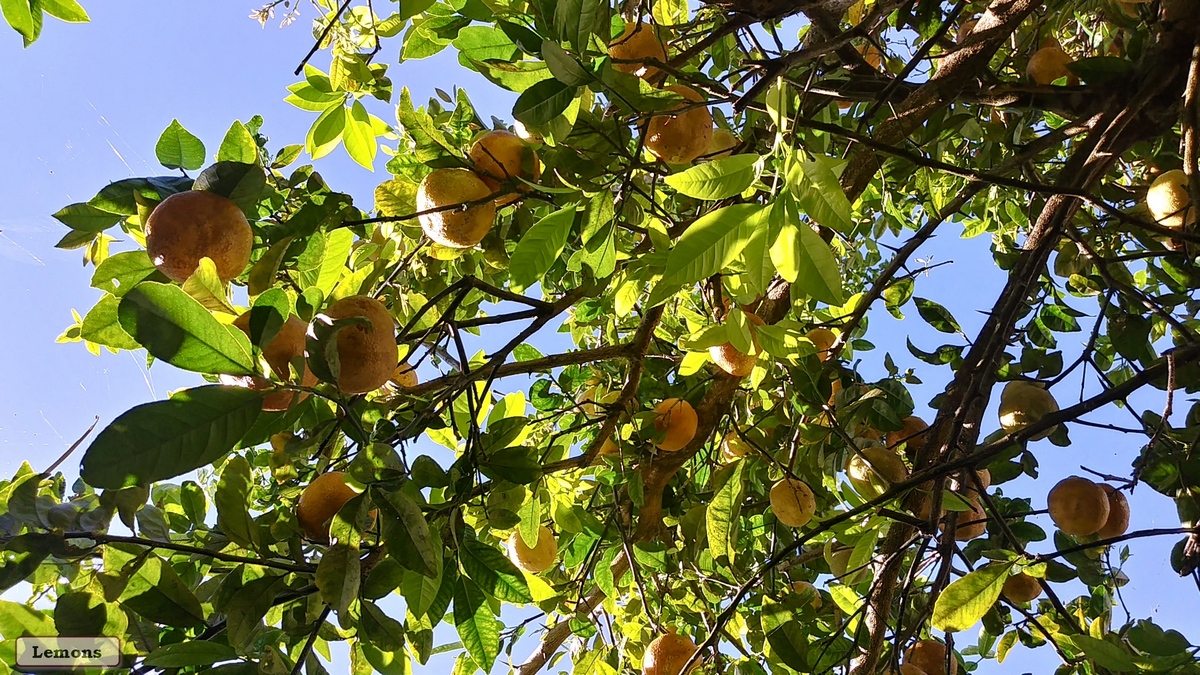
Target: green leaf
[
  {"x": 543, "y": 102},
  {"x": 540, "y": 247},
  {"x": 722, "y": 515},
  {"x": 756, "y": 259},
  {"x": 818, "y": 274},
  {"x": 576, "y": 20},
  {"x": 85, "y": 614},
  {"x": 238, "y": 145},
  {"x": 17, "y": 620},
  {"x": 102, "y": 327},
  {"x": 564, "y": 67},
  {"x": 896, "y": 295},
  {"x": 174, "y": 327},
  {"x": 518, "y": 465},
  {"x": 531, "y": 519},
  {"x": 122, "y": 271},
  {"x": 338, "y": 576},
  {"x": 359, "y": 137},
  {"x": 249, "y": 599},
  {"x": 164, "y": 439},
  {"x": 819, "y": 193},
  {"x": 193, "y": 653},
  {"x": 232, "y": 499},
  {"x": 382, "y": 631},
  {"x": 965, "y": 601},
  {"x": 86, "y": 218},
  {"x": 333, "y": 263},
  {"x": 205, "y": 287},
  {"x": 21, "y": 556},
  {"x": 708, "y": 246},
  {"x": 406, "y": 533},
  {"x": 1007, "y": 642},
  {"x": 177, "y": 148},
  {"x": 20, "y": 17},
  {"x": 66, "y": 10},
  {"x": 937, "y": 316},
  {"x": 286, "y": 155},
  {"x": 784, "y": 634},
  {"x": 35, "y": 13},
  {"x": 495, "y": 574},
  {"x": 326, "y": 132},
  {"x": 242, "y": 183},
  {"x": 307, "y": 97},
  {"x": 477, "y": 627},
  {"x": 396, "y": 197},
  {"x": 193, "y": 501},
  {"x": 717, "y": 179},
  {"x": 1100, "y": 69},
  {"x": 122, "y": 196},
  {"x": 157, "y": 593},
  {"x": 1105, "y": 654}
]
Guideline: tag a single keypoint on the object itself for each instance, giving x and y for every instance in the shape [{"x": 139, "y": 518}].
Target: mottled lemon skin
[
  {"x": 667, "y": 654},
  {"x": 537, "y": 558},
  {"x": 637, "y": 42},
  {"x": 1118, "y": 513},
  {"x": 1025, "y": 403},
  {"x": 793, "y": 502},
  {"x": 1021, "y": 588},
  {"x": 367, "y": 357},
  {"x": 500, "y": 157},
  {"x": 1049, "y": 64},
  {"x": 195, "y": 224},
  {"x": 1168, "y": 200},
  {"x": 285, "y": 347},
  {"x": 461, "y": 226},
  {"x": 888, "y": 468},
  {"x": 677, "y": 422},
  {"x": 1078, "y": 506},
  {"x": 680, "y": 137},
  {"x": 930, "y": 657},
  {"x": 320, "y": 501}
]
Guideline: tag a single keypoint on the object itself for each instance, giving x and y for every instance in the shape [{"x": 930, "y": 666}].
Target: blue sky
[{"x": 85, "y": 106}]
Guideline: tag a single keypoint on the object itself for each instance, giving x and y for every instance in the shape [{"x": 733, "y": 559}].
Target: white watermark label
[{"x": 77, "y": 652}]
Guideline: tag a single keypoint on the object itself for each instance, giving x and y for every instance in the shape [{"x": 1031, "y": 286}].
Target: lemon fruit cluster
[
  {"x": 457, "y": 207},
  {"x": 1081, "y": 508},
  {"x": 283, "y": 350}
]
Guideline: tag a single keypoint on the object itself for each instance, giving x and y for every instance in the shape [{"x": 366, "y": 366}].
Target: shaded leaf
[
  {"x": 176, "y": 328},
  {"x": 164, "y": 439}
]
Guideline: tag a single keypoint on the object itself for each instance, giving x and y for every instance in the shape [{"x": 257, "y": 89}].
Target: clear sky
[{"x": 84, "y": 107}]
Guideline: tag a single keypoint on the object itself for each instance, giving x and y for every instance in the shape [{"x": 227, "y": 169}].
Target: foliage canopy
[{"x": 846, "y": 135}]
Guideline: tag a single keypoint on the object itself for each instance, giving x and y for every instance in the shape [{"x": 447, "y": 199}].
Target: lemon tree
[{"x": 708, "y": 201}]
